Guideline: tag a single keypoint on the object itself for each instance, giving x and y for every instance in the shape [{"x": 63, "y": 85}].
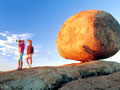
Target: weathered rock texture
[
  {"x": 52, "y": 78},
  {"x": 89, "y": 35},
  {"x": 108, "y": 82}
]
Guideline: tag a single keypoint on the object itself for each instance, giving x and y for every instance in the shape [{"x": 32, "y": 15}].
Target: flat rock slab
[
  {"x": 52, "y": 78},
  {"x": 108, "y": 82}
]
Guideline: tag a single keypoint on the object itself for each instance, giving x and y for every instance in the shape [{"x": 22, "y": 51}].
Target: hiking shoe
[
  {"x": 18, "y": 69},
  {"x": 30, "y": 66},
  {"x": 27, "y": 66}
]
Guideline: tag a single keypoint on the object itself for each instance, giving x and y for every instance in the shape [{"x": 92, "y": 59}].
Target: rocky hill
[{"x": 95, "y": 75}]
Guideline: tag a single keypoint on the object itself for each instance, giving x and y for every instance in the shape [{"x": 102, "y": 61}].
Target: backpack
[{"x": 32, "y": 50}]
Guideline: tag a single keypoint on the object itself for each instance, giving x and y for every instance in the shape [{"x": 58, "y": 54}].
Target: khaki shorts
[
  {"x": 20, "y": 57},
  {"x": 29, "y": 56}
]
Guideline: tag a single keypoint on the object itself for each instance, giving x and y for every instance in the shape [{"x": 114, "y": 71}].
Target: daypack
[{"x": 32, "y": 50}]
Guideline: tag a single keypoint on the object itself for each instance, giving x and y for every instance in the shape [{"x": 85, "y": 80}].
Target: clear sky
[{"x": 41, "y": 20}]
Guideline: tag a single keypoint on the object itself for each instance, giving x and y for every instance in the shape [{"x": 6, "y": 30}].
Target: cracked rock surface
[
  {"x": 54, "y": 78},
  {"x": 108, "y": 82}
]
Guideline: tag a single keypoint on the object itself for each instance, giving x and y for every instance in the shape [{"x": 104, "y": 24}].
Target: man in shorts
[
  {"x": 30, "y": 51},
  {"x": 21, "y": 47}
]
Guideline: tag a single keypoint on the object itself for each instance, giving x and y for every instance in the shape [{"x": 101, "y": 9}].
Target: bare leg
[
  {"x": 27, "y": 60},
  {"x": 21, "y": 64},
  {"x": 30, "y": 60},
  {"x": 18, "y": 64}
]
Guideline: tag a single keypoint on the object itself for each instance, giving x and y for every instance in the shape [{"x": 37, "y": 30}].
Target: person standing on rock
[
  {"x": 30, "y": 51},
  {"x": 21, "y": 47}
]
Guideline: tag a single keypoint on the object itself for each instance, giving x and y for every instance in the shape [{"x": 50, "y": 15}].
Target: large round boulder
[{"x": 89, "y": 35}]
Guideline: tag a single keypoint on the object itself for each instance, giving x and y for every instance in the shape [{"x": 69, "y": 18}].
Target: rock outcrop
[
  {"x": 54, "y": 78},
  {"x": 108, "y": 82},
  {"x": 89, "y": 35}
]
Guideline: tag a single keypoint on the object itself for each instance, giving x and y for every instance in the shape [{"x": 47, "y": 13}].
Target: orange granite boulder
[{"x": 89, "y": 35}]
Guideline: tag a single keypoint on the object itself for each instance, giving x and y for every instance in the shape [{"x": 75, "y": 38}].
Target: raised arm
[{"x": 18, "y": 43}]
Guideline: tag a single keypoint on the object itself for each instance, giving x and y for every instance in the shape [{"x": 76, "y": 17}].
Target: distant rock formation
[
  {"x": 54, "y": 78},
  {"x": 89, "y": 35}
]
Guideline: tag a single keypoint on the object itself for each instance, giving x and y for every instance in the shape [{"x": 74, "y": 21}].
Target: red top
[
  {"x": 29, "y": 48},
  {"x": 21, "y": 47}
]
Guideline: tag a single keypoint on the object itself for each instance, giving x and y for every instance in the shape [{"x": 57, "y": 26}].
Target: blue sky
[{"x": 41, "y": 20}]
